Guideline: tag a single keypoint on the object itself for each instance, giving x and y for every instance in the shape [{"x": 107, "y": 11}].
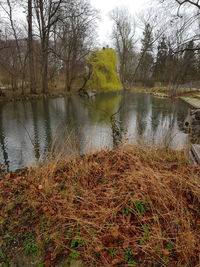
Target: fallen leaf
[{"x": 114, "y": 231}]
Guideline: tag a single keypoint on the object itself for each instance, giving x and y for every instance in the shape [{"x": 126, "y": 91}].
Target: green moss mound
[{"x": 103, "y": 64}]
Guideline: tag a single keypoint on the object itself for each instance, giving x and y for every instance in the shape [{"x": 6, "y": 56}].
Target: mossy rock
[{"x": 103, "y": 64}]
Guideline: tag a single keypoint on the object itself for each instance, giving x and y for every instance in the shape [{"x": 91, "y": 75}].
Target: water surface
[{"x": 29, "y": 129}]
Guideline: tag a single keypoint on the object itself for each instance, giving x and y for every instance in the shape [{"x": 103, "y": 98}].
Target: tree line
[
  {"x": 50, "y": 48},
  {"x": 50, "y": 45},
  {"x": 167, "y": 51}
]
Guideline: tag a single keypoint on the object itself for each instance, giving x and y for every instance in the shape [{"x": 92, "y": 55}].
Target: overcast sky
[{"x": 105, "y": 6}]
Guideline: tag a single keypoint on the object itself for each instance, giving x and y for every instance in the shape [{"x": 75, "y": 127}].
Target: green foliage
[
  {"x": 2, "y": 255},
  {"x": 132, "y": 263},
  {"x": 128, "y": 254},
  {"x": 140, "y": 207},
  {"x": 30, "y": 246},
  {"x": 108, "y": 225},
  {"x": 170, "y": 246},
  {"x": 126, "y": 211},
  {"x": 146, "y": 235},
  {"x": 104, "y": 71},
  {"x": 113, "y": 252},
  {"x": 76, "y": 243},
  {"x": 74, "y": 255},
  {"x": 165, "y": 260}
]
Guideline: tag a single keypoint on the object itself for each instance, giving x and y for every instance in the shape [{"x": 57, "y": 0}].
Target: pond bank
[
  {"x": 157, "y": 92},
  {"x": 26, "y": 97},
  {"x": 193, "y": 100},
  {"x": 124, "y": 207},
  {"x": 163, "y": 92},
  {"x": 194, "y": 126}
]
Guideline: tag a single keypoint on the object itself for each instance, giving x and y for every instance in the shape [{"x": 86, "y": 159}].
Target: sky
[{"x": 105, "y": 6}]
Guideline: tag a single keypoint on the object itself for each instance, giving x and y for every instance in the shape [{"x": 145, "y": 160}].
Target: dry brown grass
[{"x": 125, "y": 207}]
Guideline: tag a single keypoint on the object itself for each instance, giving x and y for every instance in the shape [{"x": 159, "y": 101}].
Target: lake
[{"x": 31, "y": 130}]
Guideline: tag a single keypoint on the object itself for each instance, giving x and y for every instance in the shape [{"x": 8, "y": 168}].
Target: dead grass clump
[{"x": 124, "y": 207}]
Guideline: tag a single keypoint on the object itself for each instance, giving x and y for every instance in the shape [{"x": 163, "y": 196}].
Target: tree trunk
[
  {"x": 30, "y": 47},
  {"x": 45, "y": 66},
  {"x": 67, "y": 78}
]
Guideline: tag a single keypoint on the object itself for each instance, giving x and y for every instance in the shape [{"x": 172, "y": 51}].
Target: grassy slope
[{"x": 125, "y": 207}]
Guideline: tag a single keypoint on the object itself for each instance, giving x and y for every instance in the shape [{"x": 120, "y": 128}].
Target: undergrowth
[{"x": 125, "y": 207}]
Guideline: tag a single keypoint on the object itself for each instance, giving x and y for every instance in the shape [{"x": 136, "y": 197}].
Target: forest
[{"x": 45, "y": 45}]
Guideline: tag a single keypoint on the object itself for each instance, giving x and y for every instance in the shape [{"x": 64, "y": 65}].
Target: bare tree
[
  {"x": 190, "y": 2},
  {"x": 183, "y": 36},
  {"x": 47, "y": 14},
  {"x": 30, "y": 47},
  {"x": 152, "y": 25},
  {"x": 186, "y": 13},
  {"x": 55, "y": 39},
  {"x": 123, "y": 36},
  {"x": 75, "y": 37},
  {"x": 14, "y": 36}
]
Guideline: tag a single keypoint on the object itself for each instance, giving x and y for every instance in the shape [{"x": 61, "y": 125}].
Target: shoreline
[
  {"x": 193, "y": 101},
  {"x": 153, "y": 91},
  {"x": 163, "y": 93},
  {"x": 28, "y": 97}
]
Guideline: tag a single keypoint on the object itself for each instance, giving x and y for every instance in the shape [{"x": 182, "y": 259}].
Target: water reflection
[
  {"x": 29, "y": 129},
  {"x": 36, "y": 141},
  {"x": 3, "y": 142},
  {"x": 100, "y": 110}
]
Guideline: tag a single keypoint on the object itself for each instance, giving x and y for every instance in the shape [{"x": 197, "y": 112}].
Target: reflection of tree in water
[
  {"x": 74, "y": 116},
  {"x": 47, "y": 125},
  {"x": 182, "y": 113},
  {"x": 69, "y": 115},
  {"x": 163, "y": 109},
  {"x": 74, "y": 112},
  {"x": 36, "y": 143},
  {"x": 66, "y": 116},
  {"x": 128, "y": 113},
  {"x": 142, "y": 109},
  {"x": 167, "y": 117},
  {"x": 105, "y": 109},
  {"x": 125, "y": 110},
  {"x": 163, "y": 119},
  {"x": 103, "y": 106},
  {"x": 3, "y": 140},
  {"x": 156, "y": 113}
]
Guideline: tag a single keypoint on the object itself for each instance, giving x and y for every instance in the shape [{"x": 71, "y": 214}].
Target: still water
[{"x": 30, "y": 129}]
